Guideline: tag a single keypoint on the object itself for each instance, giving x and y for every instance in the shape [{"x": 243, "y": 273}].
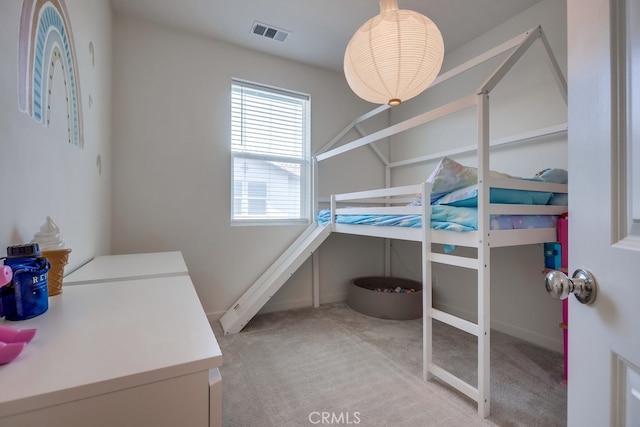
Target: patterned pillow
[{"x": 450, "y": 176}]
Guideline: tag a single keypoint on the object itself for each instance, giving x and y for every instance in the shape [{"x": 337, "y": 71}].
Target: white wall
[
  {"x": 40, "y": 172},
  {"x": 527, "y": 99},
  {"x": 172, "y": 166},
  {"x": 172, "y": 163}
]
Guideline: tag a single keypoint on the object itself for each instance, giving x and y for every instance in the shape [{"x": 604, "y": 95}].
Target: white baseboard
[
  {"x": 300, "y": 303},
  {"x": 272, "y": 307},
  {"x": 215, "y": 316},
  {"x": 524, "y": 334},
  {"x": 506, "y": 328},
  {"x": 328, "y": 299}
]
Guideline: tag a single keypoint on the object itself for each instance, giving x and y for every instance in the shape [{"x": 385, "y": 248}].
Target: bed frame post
[
  {"x": 315, "y": 203},
  {"x": 484, "y": 259},
  {"x": 427, "y": 285},
  {"x": 315, "y": 278},
  {"x": 387, "y": 242},
  {"x": 315, "y": 258}
]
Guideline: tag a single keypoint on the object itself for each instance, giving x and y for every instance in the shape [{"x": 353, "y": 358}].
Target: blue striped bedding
[{"x": 445, "y": 217}]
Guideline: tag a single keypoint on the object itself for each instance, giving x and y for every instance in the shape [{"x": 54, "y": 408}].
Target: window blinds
[{"x": 270, "y": 154}]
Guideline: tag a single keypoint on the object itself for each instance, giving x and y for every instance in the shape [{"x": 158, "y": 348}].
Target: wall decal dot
[{"x": 46, "y": 41}]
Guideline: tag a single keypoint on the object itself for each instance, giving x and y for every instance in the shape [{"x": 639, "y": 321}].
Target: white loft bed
[{"x": 393, "y": 201}]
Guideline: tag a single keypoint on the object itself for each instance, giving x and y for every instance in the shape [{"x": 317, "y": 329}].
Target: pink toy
[
  {"x": 10, "y": 351},
  {"x": 9, "y": 334},
  {"x": 12, "y": 340},
  {"x": 5, "y": 275}
]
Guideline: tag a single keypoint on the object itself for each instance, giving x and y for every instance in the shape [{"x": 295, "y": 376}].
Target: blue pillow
[
  {"x": 556, "y": 176},
  {"x": 560, "y": 199}
]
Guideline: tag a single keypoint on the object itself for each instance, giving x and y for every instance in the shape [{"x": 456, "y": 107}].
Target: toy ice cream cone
[
  {"x": 58, "y": 258},
  {"x": 52, "y": 247}
]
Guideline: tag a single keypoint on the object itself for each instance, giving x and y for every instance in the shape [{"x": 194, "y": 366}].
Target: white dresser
[
  {"x": 126, "y": 267},
  {"x": 116, "y": 353}
]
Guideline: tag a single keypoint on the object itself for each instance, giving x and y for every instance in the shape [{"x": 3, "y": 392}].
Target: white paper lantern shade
[{"x": 394, "y": 56}]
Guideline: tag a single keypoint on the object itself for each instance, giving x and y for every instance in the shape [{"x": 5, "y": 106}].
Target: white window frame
[{"x": 271, "y": 216}]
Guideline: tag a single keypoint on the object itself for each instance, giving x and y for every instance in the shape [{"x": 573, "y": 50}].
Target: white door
[{"x": 604, "y": 216}]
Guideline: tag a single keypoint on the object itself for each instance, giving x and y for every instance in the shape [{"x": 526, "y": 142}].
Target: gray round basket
[{"x": 376, "y": 296}]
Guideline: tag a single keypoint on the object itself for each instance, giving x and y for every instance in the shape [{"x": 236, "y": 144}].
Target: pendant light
[{"x": 394, "y": 56}]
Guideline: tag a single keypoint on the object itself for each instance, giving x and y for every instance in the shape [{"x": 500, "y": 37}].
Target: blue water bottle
[{"x": 27, "y": 295}]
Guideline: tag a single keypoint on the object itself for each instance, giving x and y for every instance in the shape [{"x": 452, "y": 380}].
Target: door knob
[{"x": 582, "y": 285}]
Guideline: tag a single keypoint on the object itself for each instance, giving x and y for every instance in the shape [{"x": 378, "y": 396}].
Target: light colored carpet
[{"x": 288, "y": 368}]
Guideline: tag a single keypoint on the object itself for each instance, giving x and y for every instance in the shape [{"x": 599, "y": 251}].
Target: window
[{"x": 270, "y": 154}]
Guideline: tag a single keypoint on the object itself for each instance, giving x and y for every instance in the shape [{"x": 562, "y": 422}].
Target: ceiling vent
[{"x": 269, "y": 31}]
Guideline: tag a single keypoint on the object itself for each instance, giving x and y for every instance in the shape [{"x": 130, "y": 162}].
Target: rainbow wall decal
[{"x": 46, "y": 40}]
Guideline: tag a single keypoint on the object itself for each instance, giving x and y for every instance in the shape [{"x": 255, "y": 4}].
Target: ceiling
[{"x": 319, "y": 29}]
